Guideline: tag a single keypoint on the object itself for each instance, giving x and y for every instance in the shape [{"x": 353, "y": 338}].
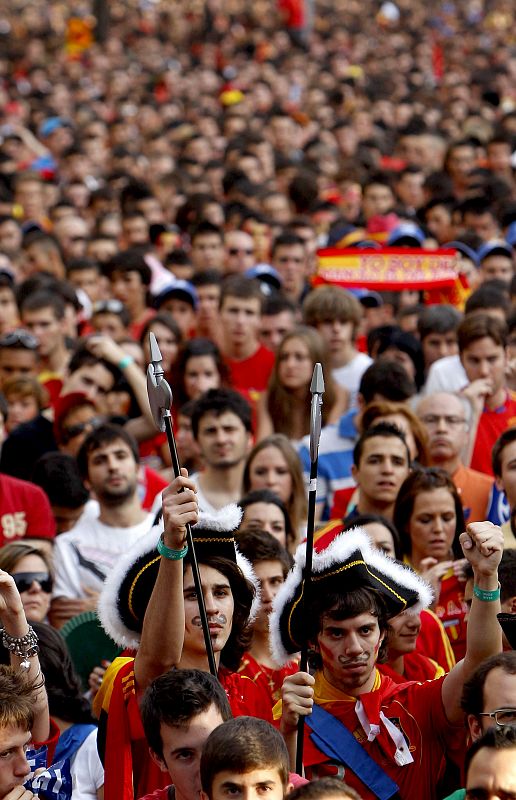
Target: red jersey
[
  {"x": 271, "y": 680},
  {"x": 433, "y": 642},
  {"x": 129, "y": 770},
  {"x": 53, "y": 383},
  {"x": 253, "y": 373},
  {"x": 293, "y": 13},
  {"x": 25, "y": 511},
  {"x": 416, "y": 667},
  {"x": 451, "y": 609},
  {"x": 136, "y": 328},
  {"x": 415, "y": 709},
  {"x": 150, "y": 484},
  {"x": 167, "y": 793},
  {"x": 490, "y": 425}
]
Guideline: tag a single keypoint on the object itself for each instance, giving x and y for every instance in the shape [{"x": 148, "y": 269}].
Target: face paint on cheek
[{"x": 326, "y": 653}]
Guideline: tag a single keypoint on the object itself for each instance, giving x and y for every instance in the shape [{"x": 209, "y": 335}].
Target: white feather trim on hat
[
  {"x": 109, "y": 616},
  {"x": 246, "y": 568},
  {"x": 108, "y": 601},
  {"x": 336, "y": 553},
  {"x": 227, "y": 519}
]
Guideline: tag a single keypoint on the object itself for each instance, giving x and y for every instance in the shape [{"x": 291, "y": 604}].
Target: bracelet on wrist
[
  {"x": 24, "y": 647},
  {"x": 486, "y": 595},
  {"x": 169, "y": 552},
  {"x": 126, "y": 361}
]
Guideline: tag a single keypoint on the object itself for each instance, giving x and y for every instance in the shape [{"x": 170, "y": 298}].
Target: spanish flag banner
[{"x": 392, "y": 268}]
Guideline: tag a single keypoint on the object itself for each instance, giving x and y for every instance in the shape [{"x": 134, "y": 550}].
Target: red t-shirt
[
  {"x": 25, "y": 511},
  {"x": 433, "y": 642},
  {"x": 416, "y": 709},
  {"x": 136, "y": 328},
  {"x": 253, "y": 373},
  {"x": 271, "y": 680},
  {"x": 451, "y": 609},
  {"x": 151, "y": 483},
  {"x": 491, "y": 424},
  {"x": 416, "y": 668},
  {"x": 129, "y": 770},
  {"x": 161, "y": 794},
  {"x": 293, "y": 13}
]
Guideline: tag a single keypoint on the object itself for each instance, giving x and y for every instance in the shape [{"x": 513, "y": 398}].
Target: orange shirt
[{"x": 475, "y": 489}]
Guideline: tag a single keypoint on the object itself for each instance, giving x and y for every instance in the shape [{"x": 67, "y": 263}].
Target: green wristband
[
  {"x": 485, "y": 595},
  {"x": 126, "y": 361},
  {"x": 168, "y": 552}
]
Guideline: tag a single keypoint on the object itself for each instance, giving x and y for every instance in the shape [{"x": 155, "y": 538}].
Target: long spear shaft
[
  {"x": 160, "y": 399},
  {"x": 317, "y": 391}
]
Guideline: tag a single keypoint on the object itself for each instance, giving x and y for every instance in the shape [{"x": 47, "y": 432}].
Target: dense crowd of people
[{"x": 175, "y": 169}]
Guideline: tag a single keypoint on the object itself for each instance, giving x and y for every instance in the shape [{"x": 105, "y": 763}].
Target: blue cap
[
  {"x": 183, "y": 290},
  {"x": 51, "y": 124},
  {"x": 510, "y": 236},
  {"x": 338, "y": 232},
  {"x": 494, "y": 247},
  {"x": 406, "y": 231},
  {"x": 465, "y": 249},
  {"x": 265, "y": 274},
  {"x": 367, "y": 244},
  {"x": 368, "y": 297}
]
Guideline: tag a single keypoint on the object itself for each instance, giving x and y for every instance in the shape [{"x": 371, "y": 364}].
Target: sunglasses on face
[
  {"x": 24, "y": 581},
  {"x": 112, "y": 306},
  {"x": 19, "y": 337},
  {"x": 75, "y": 430}
]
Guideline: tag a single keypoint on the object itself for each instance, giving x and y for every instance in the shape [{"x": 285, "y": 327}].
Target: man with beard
[
  {"x": 108, "y": 462},
  {"x": 221, "y": 425}
]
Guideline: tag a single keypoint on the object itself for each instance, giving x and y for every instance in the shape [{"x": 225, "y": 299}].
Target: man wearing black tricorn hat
[
  {"x": 149, "y": 604},
  {"x": 384, "y": 739}
]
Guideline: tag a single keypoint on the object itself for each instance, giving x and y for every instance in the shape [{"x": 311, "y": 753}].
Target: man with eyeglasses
[
  {"x": 446, "y": 421},
  {"x": 18, "y": 355},
  {"x": 489, "y": 696}
]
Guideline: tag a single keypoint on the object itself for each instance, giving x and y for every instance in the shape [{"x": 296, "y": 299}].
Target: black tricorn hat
[
  {"x": 348, "y": 563},
  {"x": 127, "y": 590}
]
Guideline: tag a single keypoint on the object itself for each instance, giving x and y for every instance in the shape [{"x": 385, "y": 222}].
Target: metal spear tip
[
  {"x": 155, "y": 352},
  {"x": 317, "y": 384}
]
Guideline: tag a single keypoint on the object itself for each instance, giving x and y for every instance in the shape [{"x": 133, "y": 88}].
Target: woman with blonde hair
[
  {"x": 274, "y": 464},
  {"x": 285, "y": 406}
]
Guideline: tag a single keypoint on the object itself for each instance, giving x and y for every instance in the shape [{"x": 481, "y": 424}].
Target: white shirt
[
  {"x": 204, "y": 503},
  {"x": 350, "y": 375},
  {"x": 85, "y": 555},
  {"x": 445, "y": 375},
  {"x": 87, "y": 770}
]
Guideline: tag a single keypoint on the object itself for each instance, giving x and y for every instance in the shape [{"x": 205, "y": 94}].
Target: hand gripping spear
[
  {"x": 160, "y": 400},
  {"x": 317, "y": 391}
]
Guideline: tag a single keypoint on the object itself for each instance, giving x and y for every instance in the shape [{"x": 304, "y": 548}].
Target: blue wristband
[
  {"x": 168, "y": 552},
  {"x": 485, "y": 595},
  {"x": 126, "y": 361}
]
